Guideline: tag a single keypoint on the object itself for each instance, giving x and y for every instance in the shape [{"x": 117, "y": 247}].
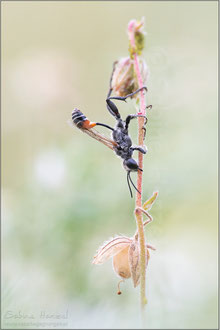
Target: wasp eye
[{"x": 130, "y": 164}]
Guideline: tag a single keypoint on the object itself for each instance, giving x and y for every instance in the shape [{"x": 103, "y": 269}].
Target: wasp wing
[
  {"x": 96, "y": 135},
  {"x": 100, "y": 137}
]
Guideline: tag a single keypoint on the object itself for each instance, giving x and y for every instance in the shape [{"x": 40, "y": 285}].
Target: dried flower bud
[
  {"x": 124, "y": 79},
  {"x": 135, "y": 33},
  {"x": 126, "y": 257}
]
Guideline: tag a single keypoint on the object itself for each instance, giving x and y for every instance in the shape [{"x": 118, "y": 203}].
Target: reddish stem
[{"x": 139, "y": 218}]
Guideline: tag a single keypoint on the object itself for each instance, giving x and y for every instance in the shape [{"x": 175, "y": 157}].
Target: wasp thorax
[{"x": 124, "y": 80}]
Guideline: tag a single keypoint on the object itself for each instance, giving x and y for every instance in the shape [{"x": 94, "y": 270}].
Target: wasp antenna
[
  {"x": 133, "y": 183},
  {"x": 129, "y": 184}
]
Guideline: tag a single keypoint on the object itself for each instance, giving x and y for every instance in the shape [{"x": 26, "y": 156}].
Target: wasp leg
[
  {"x": 143, "y": 127},
  {"x": 143, "y": 150},
  {"x": 112, "y": 107},
  {"x": 129, "y": 117},
  {"x": 123, "y": 98},
  {"x": 110, "y": 88}
]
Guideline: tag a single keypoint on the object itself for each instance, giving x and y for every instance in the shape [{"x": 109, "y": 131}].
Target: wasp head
[{"x": 130, "y": 165}]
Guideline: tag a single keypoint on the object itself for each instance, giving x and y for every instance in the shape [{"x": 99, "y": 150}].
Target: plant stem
[{"x": 138, "y": 203}]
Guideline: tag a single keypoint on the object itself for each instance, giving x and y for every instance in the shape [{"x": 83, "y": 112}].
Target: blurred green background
[{"x": 64, "y": 194}]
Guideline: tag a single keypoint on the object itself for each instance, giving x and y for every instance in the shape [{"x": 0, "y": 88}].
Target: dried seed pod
[
  {"x": 121, "y": 264},
  {"x": 124, "y": 80},
  {"x": 126, "y": 257}
]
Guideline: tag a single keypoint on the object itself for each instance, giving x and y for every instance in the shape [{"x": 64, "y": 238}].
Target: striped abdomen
[{"x": 80, "y": 120}]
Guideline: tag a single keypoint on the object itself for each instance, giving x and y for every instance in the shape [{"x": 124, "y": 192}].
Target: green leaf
[{"x": 148, "y": 204}]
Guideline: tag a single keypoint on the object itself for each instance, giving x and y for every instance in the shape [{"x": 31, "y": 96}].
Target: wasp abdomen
[{"x": 80, "y": 120}]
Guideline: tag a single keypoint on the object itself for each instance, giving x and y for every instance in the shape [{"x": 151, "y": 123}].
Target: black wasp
[{"x": 121, "y": 142}]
